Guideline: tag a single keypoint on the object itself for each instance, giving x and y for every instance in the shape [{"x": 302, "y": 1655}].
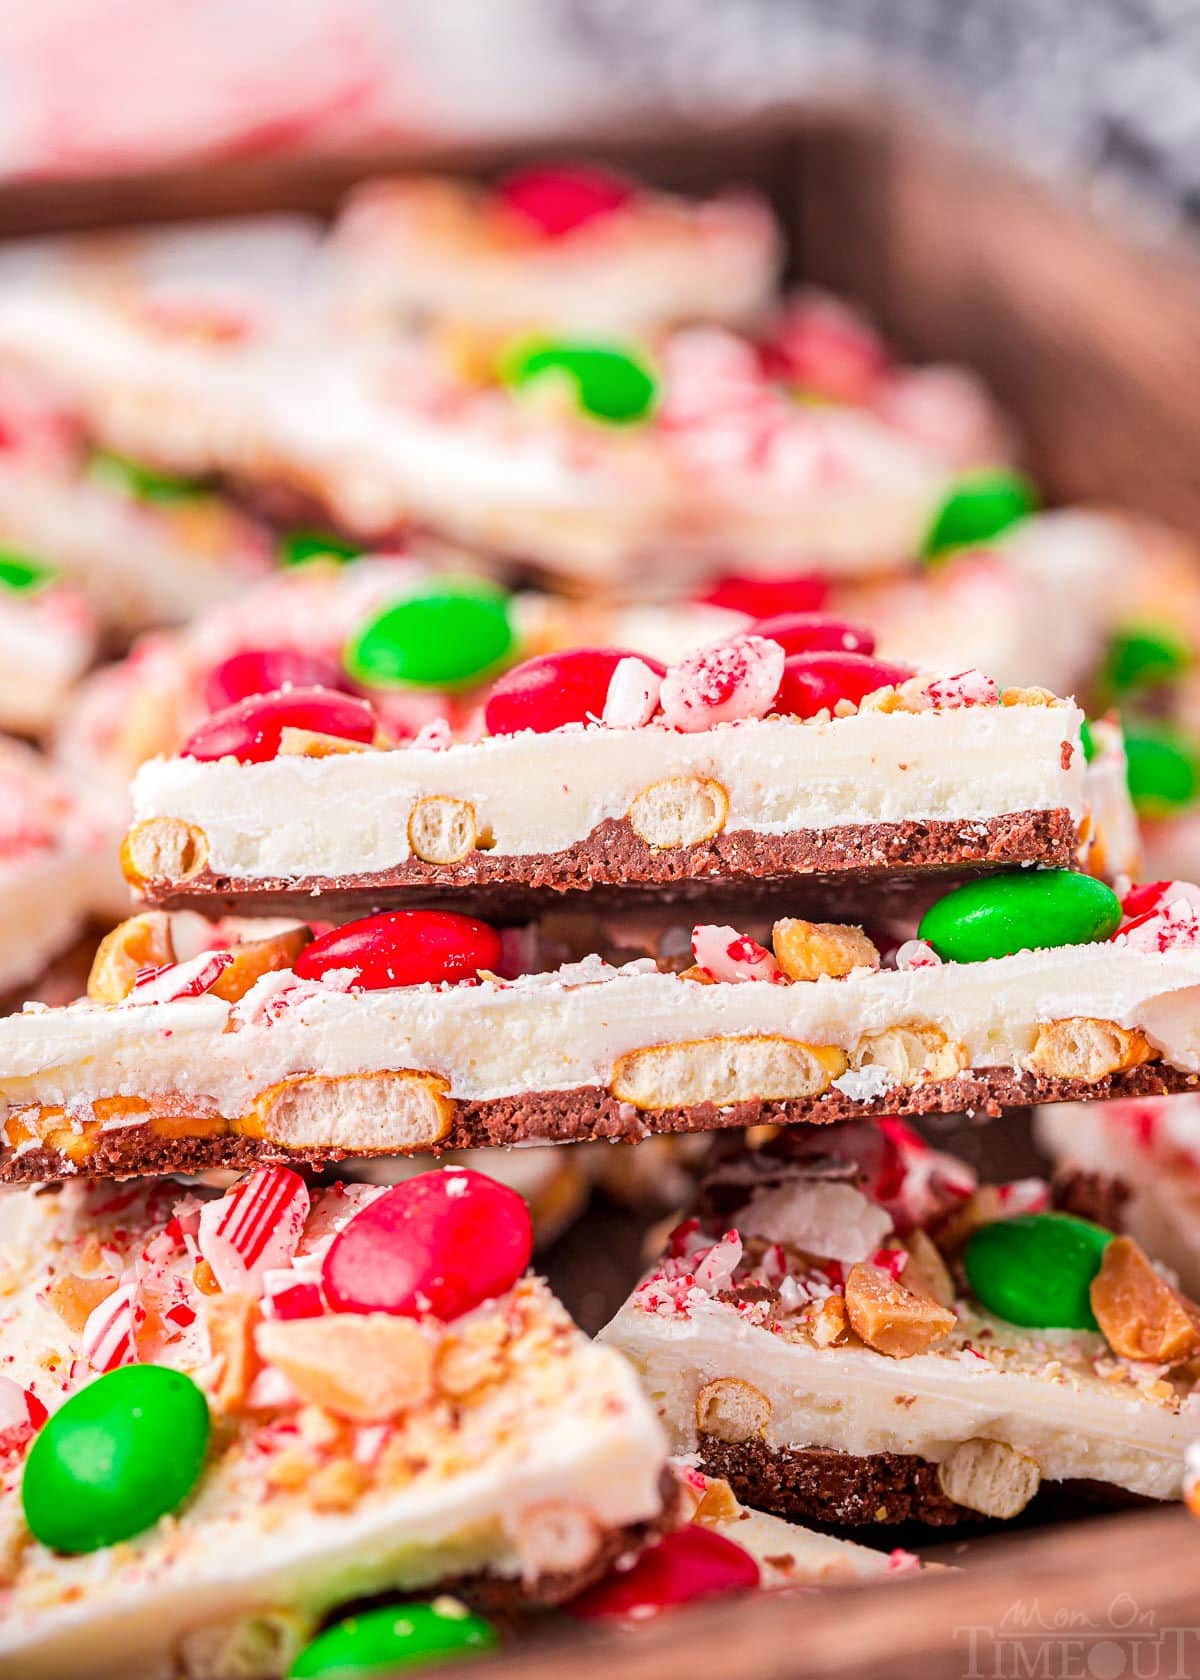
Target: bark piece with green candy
[
  {"x": 1163, "y": 769},
  {"x": 979, "y": 507},
  {"x": 610, "y": 383}
]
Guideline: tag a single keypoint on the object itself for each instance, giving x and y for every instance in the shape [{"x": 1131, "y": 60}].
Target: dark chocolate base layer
[
  {"x": 812, "y": 1484},
  {"x": 830, "y": 870},
  {"x": 577, "y": 1115}
]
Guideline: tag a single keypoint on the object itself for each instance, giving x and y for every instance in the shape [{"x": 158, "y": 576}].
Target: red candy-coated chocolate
[
  {"x": 250, "y": 731},
  {"x": 555, "y": 689},
  {"x": 441, "y": 1244},
  {"x": 559, "y": 199},
  {"x": 263, "y": 671},
  {"x": 767, "y": 597},
  {"x": 688, "y": 1564},
  {"x": 812, "y": 681},
  {"x": 404, "y": 948},
  {"x": 798, "y": 632}
]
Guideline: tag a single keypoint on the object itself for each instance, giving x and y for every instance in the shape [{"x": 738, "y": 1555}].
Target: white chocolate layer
[
  {"x": 348, "y": 814},
  {"x": 557, "y": 1032},
  {"x": 1035, "y": 1391}
]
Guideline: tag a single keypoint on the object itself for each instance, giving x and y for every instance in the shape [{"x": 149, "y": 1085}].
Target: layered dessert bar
[
  {"x": 852, "y": 1330},
  {"x": 561, "y": 246},
  {"x": 225, "y": 1415},
  {"x": 48, "y": 634},
  {"x": 398, "y": 1033},
  {"x": 787, "y": 755}
]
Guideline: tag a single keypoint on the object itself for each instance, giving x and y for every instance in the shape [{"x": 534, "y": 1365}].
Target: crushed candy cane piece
[
  {"x": 729, "y": 955},
  {"x": 22, "y": 1414},
  {"x": 254, "y": 1228},
  {"x": 632, "y": 698},
  {"x": 109, "y": 1336},
  {"x": 1163, "y": 916},
  {"x": 734, "y": 681},
  {"x": 968, "y": 688},
  {"x": 917, "y": 953},
  {"x": 179, "y": 980}
]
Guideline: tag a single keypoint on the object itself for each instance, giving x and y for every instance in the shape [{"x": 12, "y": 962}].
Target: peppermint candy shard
[
  {"x": 22, "y": 1414},
  {"x": 254, "y": 1229},
  {"x": 109, "y": 1337},
  {"x": 180, "y": 980}
]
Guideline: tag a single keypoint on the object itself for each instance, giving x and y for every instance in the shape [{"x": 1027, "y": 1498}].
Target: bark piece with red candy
[{"x": 364, "y": 1440}]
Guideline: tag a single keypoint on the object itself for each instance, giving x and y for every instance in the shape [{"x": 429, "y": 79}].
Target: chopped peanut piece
[
  {"x": 441, "y": 829},
  {"x": 732, "y": 1410},
  {"x": 718, "y": 1504},
  {"x": 1141, "y": 1315},
  {"x": 140, "y": 942},
  {"x": 828, "y": 1322},
  {"x": 989, "y": 1477},
  {"x": 807, "y": 950},
  {"x": 698, "y": 975},
  {"x": 365, "y": 1366},
  {"x": 925, "y": 1272},
  {"x": 311, "y": 743},
  {"x": 913, "y": 1053},
  {"x": 232, "y": 1321},
  {"x": 890, "y": 1318},
  {"x": 338, "y": 1486},
  {"x": 258, "y": 957},
  {"x": 1028, "y": 697},
  {"x": 679, "y": 811},
  {"x": 1088, "y": 1049}
]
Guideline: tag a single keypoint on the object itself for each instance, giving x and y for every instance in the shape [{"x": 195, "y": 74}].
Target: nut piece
[
  {"x": 364, "y": 1366},
  {"x": 807, "y": 950},
  {"x": 260, "y": 956},
  {"x": 913, "y": 1053},
  {"x": 732, "y": 1410},
  {"x": 722, "y": 1071},
  {"x": 141, "y": 942},
  {"x": 441, "y": 829},
  {"x": 1028, "y": 697},
  {"x": 232, "y": 1321},
  {"x": 75, "y": 1298},
  {"x": 311, "y": 743},
  {"x": 559, "y": 1537},
  {"x": 680, "y": 811},
  {"x": 1088, "y": 1049},
  {"x": 387, "y": 1113},
  {"x": 891, "y": 1318},
  {"x": 989, "y": 1477},
  {"x": 163, "y": 849},
  {"x": 926, "y": 1272},
  {"x": 827, "y": 1322},
  {"x": 716, "y": 1505},
  {"x": 1141, "y": 1315}
]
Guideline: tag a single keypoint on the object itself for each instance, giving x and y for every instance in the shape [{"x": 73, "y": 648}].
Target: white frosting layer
[
  {"x": 349, "y": 813},
  {"x": 1036, "y": 1391},
  {"x": 551, "y": 1033}
]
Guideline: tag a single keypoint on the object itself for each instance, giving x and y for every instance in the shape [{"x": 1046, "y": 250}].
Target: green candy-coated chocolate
[
  {"x": 1037, "y": 1269},
  {"x": 298, "y": 547},
  {"x": 395, "y": 1640},
  {"x": 1089, "y": 741},
  {"x": 116, "y": 1457},
  {"x": 144, "y": 483},
  {"x": 450, "y": 635},
  {"x": 1029, "y": 910},
  {"x": 23, "y": 574},
  {"x": 611, "y": 384},
  {"x": 978, "y": 508},
  {"x": 1143, "y": 656},
  {"x": 1162, "y": 769}
]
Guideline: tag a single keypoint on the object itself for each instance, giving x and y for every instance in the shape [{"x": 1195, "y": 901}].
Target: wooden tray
[{"x": 1092, "y": 339}]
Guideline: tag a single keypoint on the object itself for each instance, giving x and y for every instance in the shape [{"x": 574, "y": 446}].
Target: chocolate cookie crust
[
  {"x": 838, "y": 867},
  {"x": 566, "y": 1116},
  {"x": 814, "y": 1484}
]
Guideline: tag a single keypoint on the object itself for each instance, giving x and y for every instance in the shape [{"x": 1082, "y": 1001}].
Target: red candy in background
[
  {"x": 767, "y": 597},
  {"x": 815, "y": 680},
  {"x": 688, "y": 1564},
  {"x": 264, "y": 671},
  {"x": 250, "y": 731},
  {"x": 558, "y": 200},
  {"x": 798, "y": 632},
  {"x": 555, "y": 689},
  {"x": 441, "y": 1243},
  {"x": 404, "y": 948}
]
